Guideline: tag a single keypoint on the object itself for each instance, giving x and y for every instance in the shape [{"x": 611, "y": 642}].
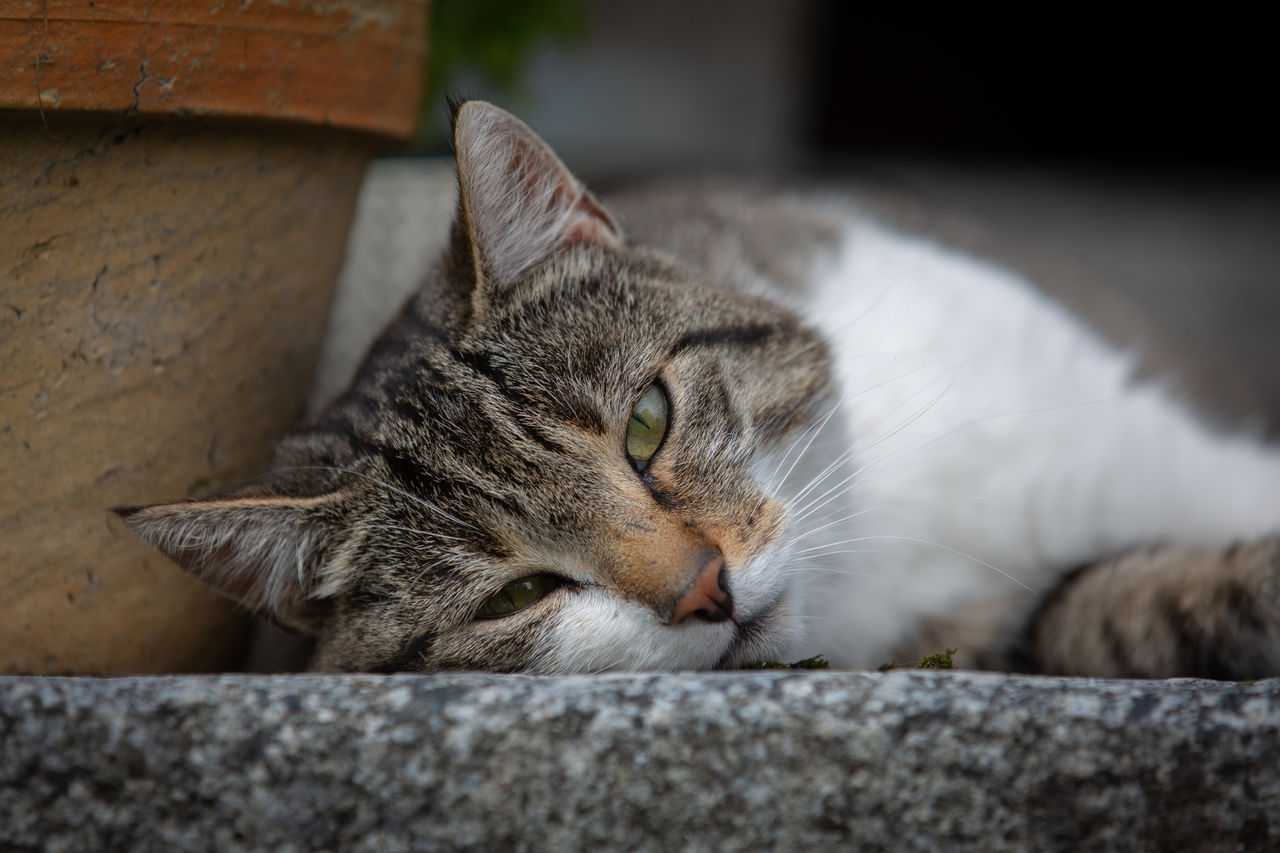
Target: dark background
[{"x": 1162, "y": 89}]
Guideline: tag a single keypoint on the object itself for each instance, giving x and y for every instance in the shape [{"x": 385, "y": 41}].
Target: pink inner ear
[
  {"x": 534, "y": 168},
  {"x": 590, "y": 225},
  {"x": 585, "y": 231}
]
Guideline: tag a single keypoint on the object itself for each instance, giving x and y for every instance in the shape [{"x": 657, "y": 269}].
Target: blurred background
[
  {"x": 1129, "y": 164},
  {"x": 632, "y": 85}
]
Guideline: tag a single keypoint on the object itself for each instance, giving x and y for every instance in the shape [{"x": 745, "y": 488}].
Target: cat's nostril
[{"x": 709, "y": 599}]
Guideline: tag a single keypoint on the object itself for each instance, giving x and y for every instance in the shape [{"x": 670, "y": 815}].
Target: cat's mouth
[{"x": 756, "y": 637}]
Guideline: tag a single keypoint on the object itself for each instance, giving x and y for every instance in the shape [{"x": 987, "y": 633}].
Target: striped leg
[{"x": 1165, "y": 612}]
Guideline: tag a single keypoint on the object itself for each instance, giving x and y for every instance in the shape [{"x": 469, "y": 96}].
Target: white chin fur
[{"x": 599, "y": 632}]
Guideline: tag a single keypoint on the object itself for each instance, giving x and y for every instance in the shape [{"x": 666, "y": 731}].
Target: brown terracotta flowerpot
[{"x": 176, "y": 186}]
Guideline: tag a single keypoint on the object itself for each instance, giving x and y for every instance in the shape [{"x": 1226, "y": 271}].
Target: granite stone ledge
[{"x": 725, "y": 761}]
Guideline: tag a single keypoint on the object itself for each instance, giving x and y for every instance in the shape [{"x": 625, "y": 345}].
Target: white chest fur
[{"x": 985, "y": 443}]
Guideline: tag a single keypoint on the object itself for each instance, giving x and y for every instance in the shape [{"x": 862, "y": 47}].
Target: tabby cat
[{"x": 704, "y": 428}]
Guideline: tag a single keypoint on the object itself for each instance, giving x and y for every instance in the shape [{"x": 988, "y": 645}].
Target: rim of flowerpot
[{"x": 353, "y": 64}]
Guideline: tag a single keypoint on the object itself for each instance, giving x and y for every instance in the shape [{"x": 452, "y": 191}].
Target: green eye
[
  {"x": 647, "y": 426},
  {"x": 518, "y": 595}
]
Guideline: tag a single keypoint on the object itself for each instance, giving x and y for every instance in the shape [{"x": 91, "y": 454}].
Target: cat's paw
[{"x": 1166, "y": 612}]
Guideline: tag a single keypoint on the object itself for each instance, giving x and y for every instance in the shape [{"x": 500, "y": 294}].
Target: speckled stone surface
[{"x": 731, "y": 761}]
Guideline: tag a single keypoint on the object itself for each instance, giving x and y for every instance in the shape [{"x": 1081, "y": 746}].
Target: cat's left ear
[
  {"x": 272, "y": 551},
  {"x": 518, "y": 201}
]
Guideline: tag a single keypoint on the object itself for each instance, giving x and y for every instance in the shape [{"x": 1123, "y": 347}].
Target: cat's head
[{"x": 550, "y": 462}]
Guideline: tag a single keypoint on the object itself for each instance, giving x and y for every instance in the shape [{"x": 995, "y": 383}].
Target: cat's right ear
[
  {"x": 262, "y": 549},
  {"x": 518, "y": 202}
]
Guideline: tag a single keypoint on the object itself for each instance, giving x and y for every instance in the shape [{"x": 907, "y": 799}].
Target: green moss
[
  {"x": 939, "y": 660},
  {"x": 887, "y": 665},
  {"x": 816, "y": 662}
]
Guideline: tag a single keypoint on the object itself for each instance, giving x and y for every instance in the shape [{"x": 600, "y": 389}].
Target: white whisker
[
  {"x": 877, "y": 552},
  {"x": 405, "y": 595},
  {"x": 836, "y": 570},
  {"x": 930, "y": 438},
  {"x": 849, "y": 517},
  {"x": 831, "y": 468},
  {"x": 846, "y": 326},
  {"x": 932, "y": 544},
  {"x": 820, "y": 426},
  {"x": 851, "y": 478},
  {"x": 384, "y": 485}
]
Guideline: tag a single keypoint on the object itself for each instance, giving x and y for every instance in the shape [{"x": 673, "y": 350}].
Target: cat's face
[{"x": 551, "y": 462}]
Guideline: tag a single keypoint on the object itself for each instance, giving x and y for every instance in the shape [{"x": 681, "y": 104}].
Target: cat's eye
[
  {"x": 518, "y": 595},
  {"x": 647, "y": 426}
]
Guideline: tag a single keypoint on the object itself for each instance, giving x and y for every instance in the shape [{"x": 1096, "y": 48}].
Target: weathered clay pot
[{"x": 176, "y": 186}]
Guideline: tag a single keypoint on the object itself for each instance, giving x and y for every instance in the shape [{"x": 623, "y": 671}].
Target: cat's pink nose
[{"x": 709, "y": 599}]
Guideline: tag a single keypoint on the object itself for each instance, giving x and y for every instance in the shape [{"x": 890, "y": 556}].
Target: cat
[{"x": 710, "y": 426}]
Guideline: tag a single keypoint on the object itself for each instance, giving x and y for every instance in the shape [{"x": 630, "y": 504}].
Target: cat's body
[
  {"x": 875, "y": 448},
  {"x": 993, "y": 441}
]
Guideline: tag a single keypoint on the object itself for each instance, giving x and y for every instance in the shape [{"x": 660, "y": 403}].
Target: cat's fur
[{"x": 877, "y": 448}]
